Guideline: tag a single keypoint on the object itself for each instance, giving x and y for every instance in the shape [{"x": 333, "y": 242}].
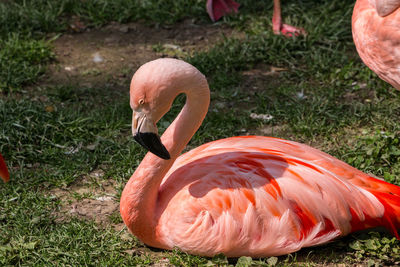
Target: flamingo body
[
  {"x": 219, "y": 8},
  {"x": 254, "y": 196},
  {"x": 376, "y": 34},
  {"x": 216, "y": 9},
  {"x": 3, "y": 170}
]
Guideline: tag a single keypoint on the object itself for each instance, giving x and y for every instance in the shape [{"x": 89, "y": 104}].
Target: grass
[
  {"x": 22, "y": 61},
  {"x": 38, "y": 17},
  {"x": 325, "y": 97}
]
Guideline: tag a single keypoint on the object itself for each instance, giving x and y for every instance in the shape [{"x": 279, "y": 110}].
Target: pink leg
[
  {"x": 279, "y": 28},
  {"x": 219, "y": 8}
]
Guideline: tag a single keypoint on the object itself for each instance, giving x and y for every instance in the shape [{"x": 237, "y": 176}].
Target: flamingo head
[
  {"x": 144, "y": 128},
  {"x": 153, "y": 89}
]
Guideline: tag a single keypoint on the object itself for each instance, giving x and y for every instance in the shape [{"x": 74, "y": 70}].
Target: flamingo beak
[
  {"x": 3, "y": 170},
  {"x": 145, "y": 132}
]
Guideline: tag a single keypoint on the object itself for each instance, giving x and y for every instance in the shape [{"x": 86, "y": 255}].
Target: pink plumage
[
  {"x": 376, "y": 34},
  {"x": 216, "y": 9},
  {"x": 251, "y": 195},
  {"x": 3, "y": 170}
]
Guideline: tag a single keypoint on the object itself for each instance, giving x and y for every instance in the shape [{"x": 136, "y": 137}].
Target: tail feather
[
  {"x": 392, "y": 211},
  {"x": 389, "y": 195},
  {"x": 3, "y": 170}
]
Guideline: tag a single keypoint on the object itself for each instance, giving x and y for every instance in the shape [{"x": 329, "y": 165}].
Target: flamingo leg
[
  {"x": 280, "y": 28},
  {"x": 3, "y": 170},
  {"x": 219, "y": 8}
]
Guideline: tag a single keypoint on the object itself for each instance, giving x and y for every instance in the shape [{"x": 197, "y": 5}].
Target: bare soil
[
  {"x": 111, "y": 55},
  {"x": 90, "y": 197}
]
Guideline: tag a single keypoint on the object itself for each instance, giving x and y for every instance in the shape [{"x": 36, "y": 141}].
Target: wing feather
[{"x": 232, "y": 197}]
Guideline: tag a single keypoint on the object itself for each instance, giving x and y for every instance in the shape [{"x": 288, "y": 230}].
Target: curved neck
[{"x": 139, "y": 198}]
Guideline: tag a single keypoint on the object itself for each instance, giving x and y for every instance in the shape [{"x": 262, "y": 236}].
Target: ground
[
  {"x": 66, "y": 118},
  {"x": 121, "y": 49}
]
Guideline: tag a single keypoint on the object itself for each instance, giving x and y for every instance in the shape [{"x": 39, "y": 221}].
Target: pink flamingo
[
  {"x": 3, "y": 170},
  {"x": 247, "y": 195},
  {"x": 376, "y": 34},
  {"x": 219, "y": 8}
]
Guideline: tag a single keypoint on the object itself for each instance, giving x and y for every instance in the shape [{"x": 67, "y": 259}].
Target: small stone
[
  {"x": 91, "y": 147},
  {"x": 97, "y": 58},
  {"x": 105, "y": 198},
  {"x": 264, "y": 117},
  {"x": 172, "y": 46},
  {"x": 124, "y": 29}
]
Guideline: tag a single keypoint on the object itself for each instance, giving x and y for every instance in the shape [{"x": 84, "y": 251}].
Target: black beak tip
[
  {"x": 152, "y": 143},
  {"x": 165, "y": 156}
]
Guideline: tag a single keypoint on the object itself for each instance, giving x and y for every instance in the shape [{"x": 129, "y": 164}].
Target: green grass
[
  {"x": 325, "y": 97},
  {"x": 22, "y": 61},
  {"x": 38, "y": 17}
]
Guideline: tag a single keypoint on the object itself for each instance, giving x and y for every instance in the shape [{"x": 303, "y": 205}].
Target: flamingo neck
[{"x": 140, "y": 195}]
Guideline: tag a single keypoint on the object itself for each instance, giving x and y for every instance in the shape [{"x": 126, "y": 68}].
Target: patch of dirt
[
  {"x": 90, "y": 197},
  {"x": 110, "y": 55},
  {"x": 261, "y": 77},
  {"x": 364, "y": 94}
]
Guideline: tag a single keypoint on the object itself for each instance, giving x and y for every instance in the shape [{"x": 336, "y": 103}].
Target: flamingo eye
[{"x": 141, "y": 101}]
